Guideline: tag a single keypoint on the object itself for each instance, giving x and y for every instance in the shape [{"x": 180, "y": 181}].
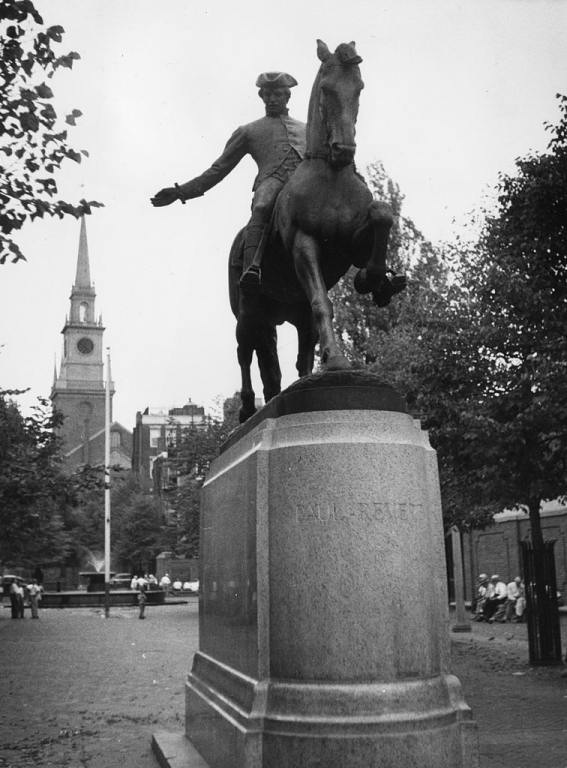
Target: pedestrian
[
  {"x": 165, "y": 583},
  {"x": 34, "y": 591},
  {"x": 134, "y": 583},
  {"x": 142, "y": 599},
  {"x": 20, "y": 596},
  {"x": 14, "y": 599}
]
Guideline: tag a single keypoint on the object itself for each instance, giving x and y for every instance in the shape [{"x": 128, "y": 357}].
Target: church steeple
[
  {"x": 78, "y": 391},
  {"x": 83, "y": 292},
  {"x": 83, "y": 276}
]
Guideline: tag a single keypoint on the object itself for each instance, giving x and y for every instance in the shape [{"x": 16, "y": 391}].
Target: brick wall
[{"x": 497, "y": 549}]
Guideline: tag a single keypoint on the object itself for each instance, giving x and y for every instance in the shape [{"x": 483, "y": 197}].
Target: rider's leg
[{"x": 254, "y": 237}]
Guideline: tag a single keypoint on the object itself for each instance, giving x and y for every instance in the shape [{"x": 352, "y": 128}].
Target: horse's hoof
[
  {"x": 382, "y": 295},
  {"x": 245, "y": 413},
  {"x": 361, "y": 282},
  {"x": 250, "y": 281},
  {"x": 337, "y": 363}
]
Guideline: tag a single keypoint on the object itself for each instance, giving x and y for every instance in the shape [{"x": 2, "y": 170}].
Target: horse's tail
[{"x": 235, "y": 266}]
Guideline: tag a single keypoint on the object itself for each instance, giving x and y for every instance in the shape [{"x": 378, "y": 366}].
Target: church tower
[{"x": 79, "y": 391}]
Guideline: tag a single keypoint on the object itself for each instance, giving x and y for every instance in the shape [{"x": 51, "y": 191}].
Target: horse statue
[{"x": 324, "y": 221}]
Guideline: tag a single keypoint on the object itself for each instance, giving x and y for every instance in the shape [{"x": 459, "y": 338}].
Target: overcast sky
[{"x": 455, "y": 91}]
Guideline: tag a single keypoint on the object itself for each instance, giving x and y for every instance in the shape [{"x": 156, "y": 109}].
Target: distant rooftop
[{"x": 189, "y": 409}]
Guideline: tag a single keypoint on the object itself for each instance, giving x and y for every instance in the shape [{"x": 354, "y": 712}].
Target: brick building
[{"x": 157, "y": 433}]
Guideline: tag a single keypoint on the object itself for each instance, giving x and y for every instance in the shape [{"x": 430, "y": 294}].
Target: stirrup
[{"x": 250, "y": 280}]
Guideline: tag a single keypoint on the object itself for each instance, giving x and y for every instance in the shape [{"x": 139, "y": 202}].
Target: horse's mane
[{"x": 313, "y": 101}]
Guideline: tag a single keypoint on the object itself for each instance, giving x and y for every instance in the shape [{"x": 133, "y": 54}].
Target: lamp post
[
  {"x": 107, "y": 489},
  {"x": 462, "y": 624}
]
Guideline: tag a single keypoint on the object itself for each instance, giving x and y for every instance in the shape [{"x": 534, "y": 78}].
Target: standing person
[
  {"x": 165, "y": 583},
  {"x": 14, "y": 592},
  {"x": 20, "y": 594},
  {"x": 34, "y": 590},
  {"x": 134, "y": 583},
  {"x": 142, "y": 599},
  {"x": 277, "y": 143}
]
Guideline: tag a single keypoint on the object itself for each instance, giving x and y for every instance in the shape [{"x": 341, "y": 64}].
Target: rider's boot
[
  {"x": 382, "y": 287},
  {"x": 253, "y": 251}
]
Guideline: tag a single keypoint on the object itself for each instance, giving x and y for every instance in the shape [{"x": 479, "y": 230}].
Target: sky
[{"x": 455, "y": 91}]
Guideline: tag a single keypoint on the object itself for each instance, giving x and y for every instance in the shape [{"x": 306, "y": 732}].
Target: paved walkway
[{"x": 81, "y": 691}]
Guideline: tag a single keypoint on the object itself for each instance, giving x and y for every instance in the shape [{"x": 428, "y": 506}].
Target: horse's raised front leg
[
  {"x": 306, "y": 260},
  {"x": 374, "y": 278}
]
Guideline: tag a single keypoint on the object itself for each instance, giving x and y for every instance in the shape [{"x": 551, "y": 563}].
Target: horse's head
[{"x": 337, "y": 92}]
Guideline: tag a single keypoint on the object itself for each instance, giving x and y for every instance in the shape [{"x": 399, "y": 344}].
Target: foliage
[
  {"x": 517, "y": 279},
  {"x": 34, "y": 142},
  {"x": 33, "y": 489},
  {"x": 421, "y": 344},
  {"x": 362, "y": 327},
  {"x": 137, "y": 522},
  {"x": 193, "y": 458},
  {"x": 477, "y": 343},
  {"x": 138, "y": 525}
]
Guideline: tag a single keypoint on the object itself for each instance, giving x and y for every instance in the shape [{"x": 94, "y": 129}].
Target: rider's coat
[{"x": 275, "y": 143}]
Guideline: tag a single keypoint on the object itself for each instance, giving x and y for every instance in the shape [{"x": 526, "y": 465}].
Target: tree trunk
[
  {"x": 535, "y": 523},
  {"x": 542, "y": 610}
]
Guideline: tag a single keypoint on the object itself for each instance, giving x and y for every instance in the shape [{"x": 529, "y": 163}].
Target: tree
[
  {"x": 421, "y": 344},
  {"x": 515, "y": 437},
  {"x": 34, "y": 142},
  {"x": 137, "y": 521},
  {"x": 193, "y": 457},
  {"x": 33, "y": 489},
  {"x": 139, "y": 525},
  {"x": 517, "y": 275}
]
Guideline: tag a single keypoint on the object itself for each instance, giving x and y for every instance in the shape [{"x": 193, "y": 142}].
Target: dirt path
[{"x": 81, "y": 691}]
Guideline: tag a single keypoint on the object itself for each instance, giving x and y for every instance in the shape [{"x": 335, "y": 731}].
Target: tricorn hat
[{"x": 275, "y": 80}]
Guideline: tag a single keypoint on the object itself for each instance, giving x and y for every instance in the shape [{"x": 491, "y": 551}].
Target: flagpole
[{"x": 107, "y": 488}]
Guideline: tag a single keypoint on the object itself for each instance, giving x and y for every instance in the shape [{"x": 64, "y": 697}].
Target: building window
[
  {"x": 115, "y": 439},
  {"x": 83, "y": 309}
]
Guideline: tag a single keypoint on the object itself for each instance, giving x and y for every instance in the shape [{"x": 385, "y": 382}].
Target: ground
[{"x": 81, "y": 691}]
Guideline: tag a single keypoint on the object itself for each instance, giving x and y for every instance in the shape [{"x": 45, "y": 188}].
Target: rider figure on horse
[{"x": 277, "y": 143}]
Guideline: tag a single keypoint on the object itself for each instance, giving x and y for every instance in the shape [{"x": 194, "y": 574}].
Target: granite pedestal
[{"x": 323, "y": 609}]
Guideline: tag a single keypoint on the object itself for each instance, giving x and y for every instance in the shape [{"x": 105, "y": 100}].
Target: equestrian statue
[{"x": 313, "y": 216}]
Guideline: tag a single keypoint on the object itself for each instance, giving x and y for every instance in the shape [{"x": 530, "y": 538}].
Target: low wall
[{"x": 81, "y": 599}]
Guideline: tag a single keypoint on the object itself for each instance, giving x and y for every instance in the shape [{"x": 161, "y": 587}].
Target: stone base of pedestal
[
  {"x": 244, "y": 723},
  {"x": 323, "y": 608}
]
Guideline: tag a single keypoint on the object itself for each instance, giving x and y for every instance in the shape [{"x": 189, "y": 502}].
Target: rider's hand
[{"x": 165, "y": 196}]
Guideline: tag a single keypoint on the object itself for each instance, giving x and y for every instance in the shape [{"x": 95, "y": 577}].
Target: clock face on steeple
[{"x": 85, "y": 345}]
